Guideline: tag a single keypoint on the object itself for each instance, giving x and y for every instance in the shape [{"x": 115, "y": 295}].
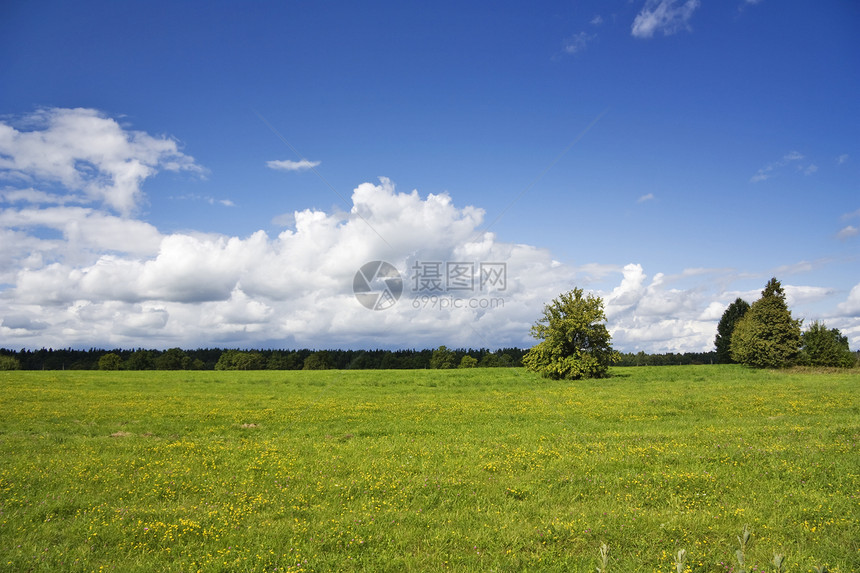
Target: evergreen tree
[
  {"x": 767, "y": 336},
  {"x": 730, "y": 318}
]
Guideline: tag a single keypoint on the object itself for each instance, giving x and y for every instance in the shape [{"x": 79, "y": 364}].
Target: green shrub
[{"x": 9, "y": 363}]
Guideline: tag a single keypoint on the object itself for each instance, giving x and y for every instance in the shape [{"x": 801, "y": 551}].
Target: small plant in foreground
[
  {"x": 680, "y": 560},
  {"x": 740, "y": 554},
  {"x": 777, "y": 562},
  {"x": 604, "y": 558},
  {"x": 821, "y": 569}
]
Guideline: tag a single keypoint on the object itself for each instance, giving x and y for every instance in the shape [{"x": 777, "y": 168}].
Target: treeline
[
  {"x": 234, "y": 359},
  {"x": 305, "y": 359},
  {"x": 668, "y": 359}
]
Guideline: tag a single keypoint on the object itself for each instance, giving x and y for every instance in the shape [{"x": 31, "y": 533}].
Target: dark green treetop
[
  {"x": 767, "y": 336},
  {"x": 730, "y": 318}
]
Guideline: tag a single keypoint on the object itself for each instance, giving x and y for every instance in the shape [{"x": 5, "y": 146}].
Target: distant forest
[{"x": 305, "y": 359}]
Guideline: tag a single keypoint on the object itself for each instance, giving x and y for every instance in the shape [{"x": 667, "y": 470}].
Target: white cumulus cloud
[
  {"x": 851, "y": 305},
  {"x": 86, "y": 152},
  {"x": 75, "y": 270}
]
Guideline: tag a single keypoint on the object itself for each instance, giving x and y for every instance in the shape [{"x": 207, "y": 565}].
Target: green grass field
[{"x": 468, "y": 470}]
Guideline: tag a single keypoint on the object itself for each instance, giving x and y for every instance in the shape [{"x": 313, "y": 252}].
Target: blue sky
[{"x": 666, "y": 155}]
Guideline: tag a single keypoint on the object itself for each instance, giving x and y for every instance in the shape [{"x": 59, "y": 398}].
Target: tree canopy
[
  {"x": 823, "y": 347},
  {"x": 574, "y": 341},
  {"x": 726, "y": 327},
  {"x": 767, "y": 336},
  {"x": 110, "y": 361},
  {"x": 442, "y": 358},
  {"x": 173, "y": 359},
  {"x": 9, "y": 363},
  {"x": 468, "y": 362},
  {"x": 239, "y": 360},
  {"x": 320, "y": 360}
]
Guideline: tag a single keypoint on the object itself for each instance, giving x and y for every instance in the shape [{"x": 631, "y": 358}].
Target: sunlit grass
[{"x": 483, "y": 470}]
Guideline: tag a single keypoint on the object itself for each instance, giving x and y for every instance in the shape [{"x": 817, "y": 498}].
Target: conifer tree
[
  {"x": 729, "y": 320},
  {"x": 767, "y": 336}
]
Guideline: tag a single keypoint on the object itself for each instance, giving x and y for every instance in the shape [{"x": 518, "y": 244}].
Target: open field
[{"x": 468, "y": 470}]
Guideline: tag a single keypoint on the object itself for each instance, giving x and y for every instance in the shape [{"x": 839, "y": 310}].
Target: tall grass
[{"x": 475, "y": 470}]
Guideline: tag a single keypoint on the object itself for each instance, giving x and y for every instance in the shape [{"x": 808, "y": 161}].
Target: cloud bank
[
  {"x": 82, "y": 151},
  {"x": 78, "y": 269}
]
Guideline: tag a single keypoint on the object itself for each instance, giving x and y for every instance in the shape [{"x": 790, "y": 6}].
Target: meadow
[{"x": 463, "y": 470}]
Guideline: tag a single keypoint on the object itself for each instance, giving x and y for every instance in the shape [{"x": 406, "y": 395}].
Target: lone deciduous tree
[
  {"x": 574, "y": 341},
  {"x": 767, "y": 336},
  {"x": 726, "y": 327}
]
